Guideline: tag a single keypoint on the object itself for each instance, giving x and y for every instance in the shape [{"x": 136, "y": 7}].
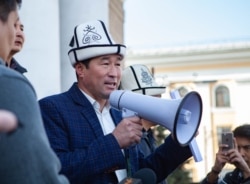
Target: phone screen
[{"x": 227, "y": 138}]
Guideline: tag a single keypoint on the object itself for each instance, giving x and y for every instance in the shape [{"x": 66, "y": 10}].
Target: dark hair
[
  {"x": 7, "y": 6},
  {"x": 86, "y": 62},
  {"x": 242, "y": 131}
]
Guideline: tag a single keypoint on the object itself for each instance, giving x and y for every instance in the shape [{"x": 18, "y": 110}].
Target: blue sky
[{"x": 160, "y": 23}]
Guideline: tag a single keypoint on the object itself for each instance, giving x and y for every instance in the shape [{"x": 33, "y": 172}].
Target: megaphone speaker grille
[{"x": 188, "y": 118}]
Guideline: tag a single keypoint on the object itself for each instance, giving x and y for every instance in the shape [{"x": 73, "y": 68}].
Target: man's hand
[
  {"x": 220, "y": 161},
  {"x": 8, "y": 121},
  {"x": 128, "y": 132},
  {"x": 237, "y": 159},
  {"x": 221, "y": 158}
]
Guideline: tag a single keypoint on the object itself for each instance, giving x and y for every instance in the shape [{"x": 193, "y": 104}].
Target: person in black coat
[{"x": 239, "y": 156}]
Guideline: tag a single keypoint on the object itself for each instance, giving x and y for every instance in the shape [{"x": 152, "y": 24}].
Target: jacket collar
[
  {"x": 16, "y": 66},
  {"x": 88, "y": 111}
]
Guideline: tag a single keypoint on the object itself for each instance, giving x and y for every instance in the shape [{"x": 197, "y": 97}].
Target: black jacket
[
  {"x": 16, "y": 66},
  {"x": 234, "y": 177},
  {"x": 148, "y": 145}
]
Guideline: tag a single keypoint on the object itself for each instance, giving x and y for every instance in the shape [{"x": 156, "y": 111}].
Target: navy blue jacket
[{"x": 89, "y": 156}]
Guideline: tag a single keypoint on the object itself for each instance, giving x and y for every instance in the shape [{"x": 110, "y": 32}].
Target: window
[{"x": 222, "y": 96}]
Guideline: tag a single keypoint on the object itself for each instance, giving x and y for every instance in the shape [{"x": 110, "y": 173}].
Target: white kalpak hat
[
  {"x": 139, "y": 79},
  {"x": 92, "y": 39}
]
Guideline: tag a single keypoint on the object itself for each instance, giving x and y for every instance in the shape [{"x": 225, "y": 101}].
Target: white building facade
[
  {"x": 221, "y": 75},
  {"x": 49, "y": 26},
  {"x": 219, "y": 72}
]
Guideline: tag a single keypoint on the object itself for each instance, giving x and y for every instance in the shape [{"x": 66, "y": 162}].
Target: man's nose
[{"x": 113, "y": 71}]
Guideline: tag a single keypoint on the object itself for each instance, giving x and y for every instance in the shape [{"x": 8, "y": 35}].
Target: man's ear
[{"x": 80, "y": 69}]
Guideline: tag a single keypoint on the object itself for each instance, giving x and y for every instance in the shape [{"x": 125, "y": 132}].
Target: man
[
  {"x": 8, "y": 17},
  {"x": 17, "y": 47},
  {"x": 239, "y": 156},
  {"x": 138, "y": 78},
  {"x": 26, "y": 156},
  {"x": 88, "y": 136}
]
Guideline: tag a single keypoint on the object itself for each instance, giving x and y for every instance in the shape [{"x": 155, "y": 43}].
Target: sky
[{"x": 163, "y": 23}]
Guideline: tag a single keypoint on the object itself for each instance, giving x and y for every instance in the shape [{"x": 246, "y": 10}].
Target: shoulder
[
  {"x": 14, "y": 80},
  {"x": 53, "y": 99},
  {"x": 5, "y": 71}
]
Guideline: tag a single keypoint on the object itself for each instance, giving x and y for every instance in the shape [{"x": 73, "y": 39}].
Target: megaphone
[
  {"x": 181, "y": 116},
  {"x": 193, "y": 144}
]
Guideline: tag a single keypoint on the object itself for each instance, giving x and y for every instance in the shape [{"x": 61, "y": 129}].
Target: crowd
[{"x": 75, "y": 136}]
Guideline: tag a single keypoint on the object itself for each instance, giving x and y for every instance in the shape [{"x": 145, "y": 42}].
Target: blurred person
[
  {"x": 26, "y": 156},
  {"x": 17, "y": 47},
  {"x": 239, "y": 156},
  {"x": 87, "y": 134},
  {"x": 8, "y": 17},
  {"x": 138, "y": 78},
  {"x": 8, "y": 120}
]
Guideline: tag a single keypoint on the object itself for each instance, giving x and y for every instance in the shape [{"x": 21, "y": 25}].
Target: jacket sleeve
[
  {"x": 26, "y": 156},
  {"x": 167, "y": 158}
]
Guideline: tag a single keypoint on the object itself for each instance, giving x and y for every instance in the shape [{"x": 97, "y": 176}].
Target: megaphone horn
[{"x": 181, "y": 116}]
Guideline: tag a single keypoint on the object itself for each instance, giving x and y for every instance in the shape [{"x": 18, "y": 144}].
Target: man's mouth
[
  {"x": 18, "y": 43},
  {"x": 111, "y": 84}
]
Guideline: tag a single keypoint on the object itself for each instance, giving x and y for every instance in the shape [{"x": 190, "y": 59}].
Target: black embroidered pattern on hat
[
  {"x": 146, "y": 78},
  {"x": 92, "y": 39},
  {"x": 90, "y": 36}
]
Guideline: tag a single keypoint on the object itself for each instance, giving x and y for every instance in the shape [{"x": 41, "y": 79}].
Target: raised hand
[
  {"x": 221, "y": 158},
  {"x": 236, "y": 157},
  {"x": 128, "y": 132}
]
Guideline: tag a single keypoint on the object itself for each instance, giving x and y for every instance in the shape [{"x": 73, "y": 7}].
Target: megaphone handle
[{"x": 195, "y": 150}]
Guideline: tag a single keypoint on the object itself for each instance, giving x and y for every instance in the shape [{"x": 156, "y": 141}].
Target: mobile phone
[{"x": 227, "y": 138}]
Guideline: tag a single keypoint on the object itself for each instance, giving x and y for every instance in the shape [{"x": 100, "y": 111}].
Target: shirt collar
[{"x": 94, "y": 103}]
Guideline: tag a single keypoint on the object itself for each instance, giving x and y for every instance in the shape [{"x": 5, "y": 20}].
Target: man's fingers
[{"x": 8, "y": 121}]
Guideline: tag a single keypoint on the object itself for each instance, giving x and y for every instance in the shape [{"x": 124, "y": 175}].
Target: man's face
[
  {"x": 7, "y": 34},
  {"x": 101, "y": 77},
  {"x": 19, "y": 37},
  {"x": 244, "y": 148}
]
